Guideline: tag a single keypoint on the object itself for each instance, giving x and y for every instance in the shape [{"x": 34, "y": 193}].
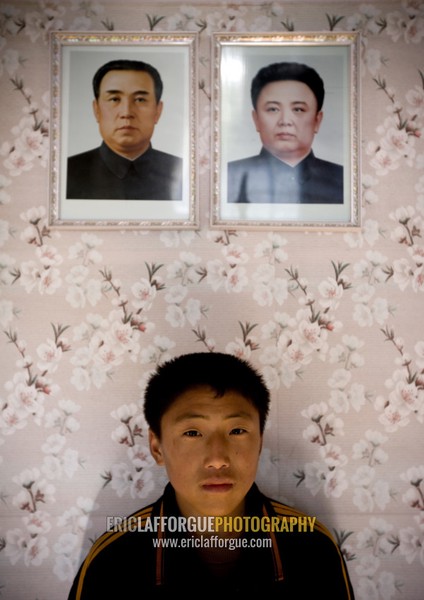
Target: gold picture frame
[
  {"x": 250, "y": 185},
  {"x": 75, "y": 57}
]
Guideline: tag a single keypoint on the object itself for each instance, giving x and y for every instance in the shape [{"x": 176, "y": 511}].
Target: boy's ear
[{"x": 155, "y": 448}]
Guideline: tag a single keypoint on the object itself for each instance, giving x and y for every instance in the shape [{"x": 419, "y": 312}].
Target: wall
[{"x": 345, "y": 438}]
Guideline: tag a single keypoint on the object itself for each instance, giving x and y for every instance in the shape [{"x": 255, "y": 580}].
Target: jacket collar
[
  {"x": 119, "y": 165},
  {"x": 256, "y": 504},
  {"x": 302, "y": 171}
]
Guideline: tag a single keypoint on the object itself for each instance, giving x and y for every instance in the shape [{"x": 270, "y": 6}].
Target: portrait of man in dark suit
[
  {"x": 127, "y": 105},
  {"x": 287, "y": 99}
]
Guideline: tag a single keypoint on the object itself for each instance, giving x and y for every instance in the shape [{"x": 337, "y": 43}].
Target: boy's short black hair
[
  {"x": 288, "y": 71},
  {"x": 221, "y": 372},
  {"x": 122, "y": 64}
]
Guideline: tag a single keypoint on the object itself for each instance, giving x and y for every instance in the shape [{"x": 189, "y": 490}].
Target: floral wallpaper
[{"x": 335, "y": 321}]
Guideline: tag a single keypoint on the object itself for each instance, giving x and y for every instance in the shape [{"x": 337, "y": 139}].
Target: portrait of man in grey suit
[{"x": 287, "y": 100}]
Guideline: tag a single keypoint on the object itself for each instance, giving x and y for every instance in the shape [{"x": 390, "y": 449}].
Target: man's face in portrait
[
  {"x": 127, "y": 111},
  {"x": 287, "y": 119},
  {"x": 210, "y": 447}
]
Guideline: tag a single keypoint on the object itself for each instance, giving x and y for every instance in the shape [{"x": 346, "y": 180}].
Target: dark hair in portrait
[
  {"x": 128, "y": 65},
  {"x": 288, "y": 71}
]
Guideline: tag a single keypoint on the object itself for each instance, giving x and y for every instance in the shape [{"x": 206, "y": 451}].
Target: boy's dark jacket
[{"x": 298, "y": 566}]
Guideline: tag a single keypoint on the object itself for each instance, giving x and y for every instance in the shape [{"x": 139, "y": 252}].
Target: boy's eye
[
  {"x": 237, "y": 431},
  {"x": 191, "y": 433}
]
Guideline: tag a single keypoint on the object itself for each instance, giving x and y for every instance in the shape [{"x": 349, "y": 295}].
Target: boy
[{"x": 212, "y": 532}]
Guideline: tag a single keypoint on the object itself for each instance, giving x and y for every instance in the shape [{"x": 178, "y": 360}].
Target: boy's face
[{"x": 210, "y": 447}]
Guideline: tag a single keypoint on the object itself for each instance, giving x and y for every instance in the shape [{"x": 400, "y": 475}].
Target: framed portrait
[
  {"x": 285, "y": 135},
  {"x": 123, "y": 114}
]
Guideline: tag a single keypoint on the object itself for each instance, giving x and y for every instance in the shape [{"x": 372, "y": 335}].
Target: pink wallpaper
[{"x": 345, "y": 437}]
